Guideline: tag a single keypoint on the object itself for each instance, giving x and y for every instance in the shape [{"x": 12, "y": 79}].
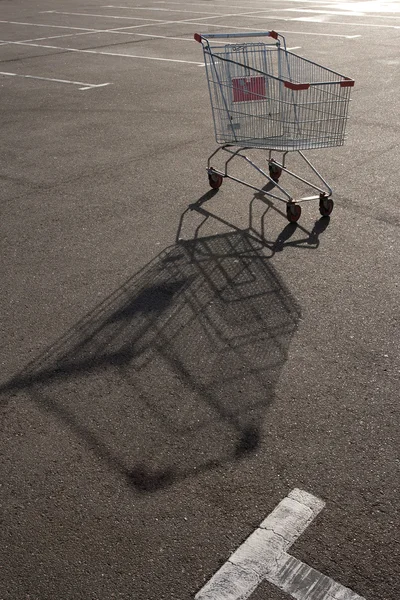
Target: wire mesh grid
[{"x": 252, "y": 106}]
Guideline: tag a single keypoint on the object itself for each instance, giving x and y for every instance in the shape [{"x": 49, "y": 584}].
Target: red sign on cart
[{"x": 248, "y": 89}]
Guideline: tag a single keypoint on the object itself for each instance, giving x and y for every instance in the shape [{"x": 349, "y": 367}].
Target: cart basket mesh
[{"x": 259, "y": 98}]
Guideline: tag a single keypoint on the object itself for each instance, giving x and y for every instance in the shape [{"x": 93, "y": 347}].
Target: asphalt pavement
[{"x": 175, "y": 360}]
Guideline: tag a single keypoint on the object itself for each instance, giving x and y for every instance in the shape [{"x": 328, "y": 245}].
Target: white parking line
[
  {"x": 324, "y": 22},
  {"x": 86, "y": 86},
  {"x": 346, "y": 13},
  {"x": 159, "y": 21},
  {"x": 378, "y": 6},
  {"x": 101, "y": 53},
  {"x": 336, "y": 35},
  {"x": 113, "y": 31},
  {"x": 87, "y": 31},
  {"x": 313, "y": 19},
  {"x": 263, "y": 556},
  {"x": 74, "y": 14},
  {"x": 322, "y": 11},
  {"x": 49, "y": 26},
  {"x": 57, "y": 37},
  {"x": 116, "y": 30},
  {"x": 158, "y": 9},
  {"x": 187, "y": 22},
  {"x": 216, "y": 16}
]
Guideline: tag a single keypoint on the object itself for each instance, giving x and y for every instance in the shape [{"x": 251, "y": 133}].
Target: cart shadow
[
  {"x": 310, "y": 240},
  {"x": 173, "y": 374}
]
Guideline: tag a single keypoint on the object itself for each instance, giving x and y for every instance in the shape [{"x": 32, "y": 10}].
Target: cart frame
[{"x": 315, "y": 119}]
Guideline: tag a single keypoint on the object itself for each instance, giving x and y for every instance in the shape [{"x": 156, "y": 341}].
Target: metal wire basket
[{"x": 264, "y": 96}]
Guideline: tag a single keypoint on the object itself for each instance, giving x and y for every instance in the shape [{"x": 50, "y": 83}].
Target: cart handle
[{"x": 199, "y": 37}]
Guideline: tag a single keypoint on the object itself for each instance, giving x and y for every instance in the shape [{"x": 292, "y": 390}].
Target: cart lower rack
[{"x": 265, "y": 97}]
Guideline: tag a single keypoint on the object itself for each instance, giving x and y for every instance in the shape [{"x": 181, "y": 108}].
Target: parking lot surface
[{"x": 166, "y": 378}]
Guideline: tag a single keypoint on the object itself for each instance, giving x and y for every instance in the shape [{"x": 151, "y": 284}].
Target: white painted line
[
  {"x": 344, "y": 13},
  {"x": 159, "y": 21},
  {"x": 57, "y": 12},
  {"x": 294, "y": 48},
  {"x": 341, "y": 13},
  {"x": 187, "y": 21},
  {"x": 101, "y": 53},
  {"x": 133, "y": 33},
  {"x": 291, "y": 575},
  {"x": 215, "y": 4},
  {"x": 91, "y": 86},
  {"x": 336, "y": 35},
  {"x": 116, "y": 31},
  {"x": 347, "y": 11},
  {"x": 262, "y": 5},
  {"x": 57, "y": 37},
  {"x": 321, "y": 21},
  {"x": 87, "y": 31},
  {"x": 84, "y": 30},
  {"x": 50, "y": 26},
  {"x": 87, "y": 86},
  {"x": 189, "y": 12},
  {"x": 263, "y": 556}
]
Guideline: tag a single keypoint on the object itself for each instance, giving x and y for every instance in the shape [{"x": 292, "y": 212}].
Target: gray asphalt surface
[{"x": 160, "y": 398}]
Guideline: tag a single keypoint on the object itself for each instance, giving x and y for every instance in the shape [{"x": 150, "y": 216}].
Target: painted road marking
[
  {"x": 324, "y": 22},
  {"x": 154, "y": 22},
  {"x": 197, "y": 12},
  {"x": 347, "y": 13},
  {"x": 366, "y": 8},
  {"x": 50, "y": 26},
  {"x": 101, "y": 53},
  {"x": 315, "y": 19},
  {"x": 133, "y": 33},
  {"x": 258, "y": 14},
  {"x": 86, "y": 86},
  {"x": 188, "y": 22},
  {"x": 344, "y": 13},
  {"x": 370, "y": 7},
  {"x": 213, "y": 16},
  {"x": 264, "y": 557},
  {"x": 219, "y": 26},
  {"x": 87, "y": 31},
  {"x": 160, "y": 21}
]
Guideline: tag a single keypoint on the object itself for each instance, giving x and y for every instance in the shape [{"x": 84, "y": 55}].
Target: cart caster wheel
[
  {"x": 293, "y": 212},
  {"x": 325, "y": 206},
  {"x": 274, "y": 172},
  {"x": 215, "y": 180}
]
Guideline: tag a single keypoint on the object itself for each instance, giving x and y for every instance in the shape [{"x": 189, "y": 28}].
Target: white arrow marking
[{"x": 263, "y": 556}]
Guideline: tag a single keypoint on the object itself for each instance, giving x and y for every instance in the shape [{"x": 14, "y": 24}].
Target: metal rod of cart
[{"x": 265, "y": 97}]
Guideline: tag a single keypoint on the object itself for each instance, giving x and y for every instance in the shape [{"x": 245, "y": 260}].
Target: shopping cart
[{"x": 265, "y": 97}]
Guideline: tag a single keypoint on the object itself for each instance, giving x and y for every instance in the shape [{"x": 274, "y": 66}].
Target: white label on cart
[{"x": 264, "y": 557}]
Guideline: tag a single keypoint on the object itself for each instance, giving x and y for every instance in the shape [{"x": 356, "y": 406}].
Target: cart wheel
[
  {"x": 215, "y": 180},
  {"x": 274, "y": 172},
  {"x": 325, "y": 206},
  {"x": 293, "y": 212}
]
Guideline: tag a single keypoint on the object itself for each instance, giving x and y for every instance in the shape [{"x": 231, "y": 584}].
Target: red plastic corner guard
[
  {"x": 273, "y": 34},
  {"x": 347, "y": 82},
  {"x": 197, "y": 37},
  {"x": 297, "y": 86}
]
